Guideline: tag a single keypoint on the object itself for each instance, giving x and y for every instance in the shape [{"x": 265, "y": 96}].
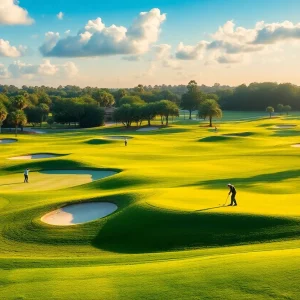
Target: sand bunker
[
  {"x": 79, "y": 213},
  {"x": 296, "y": 145},
  {"x": 148, "y": 129},
  {"x": 94, "y": 174},
  {"x": 118, "y": 137},
  {"x": 34, "y": 156},
  {"x": 7, "y": 141},
  {"x": 285, "y": 126}
]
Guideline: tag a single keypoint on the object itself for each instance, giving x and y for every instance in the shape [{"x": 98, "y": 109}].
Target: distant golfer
[
  {"x": 26, "y": 173},
  {"x": 125, "y": 141},
  {"x": 216, "y": 129},
  {"x": 233, "y": 193}
]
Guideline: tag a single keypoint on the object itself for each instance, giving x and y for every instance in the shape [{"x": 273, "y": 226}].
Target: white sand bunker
[
  {"x": 34, "y": 156},
  {"x": 93, "y": 174},
  {"x": 286, "y": 126},
  {"x": 7, "y": 141},
  {"x": 118, "y": 137},
  {"x": 79, "y": 213},
  {"x": 296, "y": 145},
  {"x": 148, "y": 129}
]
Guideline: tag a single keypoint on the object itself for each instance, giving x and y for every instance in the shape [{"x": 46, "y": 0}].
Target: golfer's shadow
[
  {"x": 211, "y": 208},
  {"x": 10, "y": 183}
]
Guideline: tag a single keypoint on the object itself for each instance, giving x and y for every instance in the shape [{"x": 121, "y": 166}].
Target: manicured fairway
[{"x": 171, "y": 237}]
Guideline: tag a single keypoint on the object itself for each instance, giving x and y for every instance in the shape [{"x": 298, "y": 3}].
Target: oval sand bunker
[
  {"x": 286, "y": 126},
  {"x": 79, "y": 213},
  {"x": 7, "y": 141},
  {"x": 34, "y": 156},
  {"x": 145, "y": 129},
  {"x": 296, "y": 145},
  {"x": 118, "y": 137}
]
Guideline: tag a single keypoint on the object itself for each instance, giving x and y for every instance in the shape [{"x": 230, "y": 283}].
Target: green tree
[
  {"x": 17, "y": 118},
  {"x": 270, "y": 110},
  {"x": 3, "y": 114},
  {"x": 167, "y": 108},
  {"x": 123, "y": 114},
  {"x": 150, "y": 111},
  {"x": 19, "y": 102},
  {"x": 104, "y": 99},
  {"x": 280, "y": 108},
  {"x": 209, "y": 108},
  {"x": 93, "y": 116},
  {"x": 50, "y": 121},
  {"x": 287, "y": 108},
  {"x": 44, "y": 109},
  {"x": 192, "y": 98},
  {"x": 131, "y": 100}
]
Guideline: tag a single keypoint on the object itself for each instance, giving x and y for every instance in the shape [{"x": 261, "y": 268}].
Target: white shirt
[{"x": 26, "y": 172}]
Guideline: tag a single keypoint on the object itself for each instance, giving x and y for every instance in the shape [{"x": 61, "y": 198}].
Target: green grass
[{"x": 171, "y": 237}]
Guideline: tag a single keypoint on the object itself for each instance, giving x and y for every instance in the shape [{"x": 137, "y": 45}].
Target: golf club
[{"x": 226, "y": 200}]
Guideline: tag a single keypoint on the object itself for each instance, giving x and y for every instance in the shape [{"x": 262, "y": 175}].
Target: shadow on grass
[
  {"x": 248, "y": 181},
  {"x": 99, "y": 142},
  {"x": 140, "y": 230}
]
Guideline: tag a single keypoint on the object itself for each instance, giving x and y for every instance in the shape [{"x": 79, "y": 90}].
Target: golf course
[{"x": 165, "y": 230}]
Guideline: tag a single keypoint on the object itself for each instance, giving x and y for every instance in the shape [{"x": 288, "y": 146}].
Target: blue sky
[{"x": 156, "y": 56}]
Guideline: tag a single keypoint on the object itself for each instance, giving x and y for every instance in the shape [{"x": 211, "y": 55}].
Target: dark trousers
[
  {"x": 25, "y": 178},
  {"x": 233, "y": 201}
]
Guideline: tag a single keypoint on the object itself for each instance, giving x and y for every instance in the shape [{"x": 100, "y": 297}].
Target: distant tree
[
  {"x": 17, "y": 118},
  {"x": 3, "y": 114},
  {"x": 119, "y": 94},
  {"x": 50, "y": 121},
  {"x": 167, "y": 108},
  {"x": 4, "y": 100},
  {"x": 140, "y": 88},
  {"x": 44, "y": 98},
  {"x": 104, "y": 98},
  {"x": 280, "y": 108},
  {"x": 33, "y": 114},
  {"x": 210, "y": 108},
  {"x": 93, "y": 116},
  {"x": 192, "y": 98},
  {"x": 287, "y": 108},
  {"x": 123, "y": 114},
  {"x": 33, "y": 99},
  {"x": 149, "y": 111},
  {"x": 44, "y": 108},
  {"x": 131, "y": 100},
  {"x": 19, "y": 102},
  {"x": 270, "y": 110}
]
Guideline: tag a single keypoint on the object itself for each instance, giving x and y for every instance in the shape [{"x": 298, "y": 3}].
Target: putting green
[
  {"x": 171, "y": 237},
  {"x": 51, "y": 179}
]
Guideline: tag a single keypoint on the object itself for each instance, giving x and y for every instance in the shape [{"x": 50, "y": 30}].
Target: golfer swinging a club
[{"x": 233, "y": 193}]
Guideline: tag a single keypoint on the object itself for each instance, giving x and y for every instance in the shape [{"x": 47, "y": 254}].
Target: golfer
[
  {"x": 26, "y": 173},
  {"x": 233, "y": 193},
  {"x": 125, "y": 141}
]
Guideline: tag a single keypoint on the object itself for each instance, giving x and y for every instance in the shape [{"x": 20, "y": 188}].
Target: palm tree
[
  {"x": 17, "y": 117},
  {"x": 210, "y": 108},
  {"x": 3, "y": 115},
  {"x": 270, "y": 110}
]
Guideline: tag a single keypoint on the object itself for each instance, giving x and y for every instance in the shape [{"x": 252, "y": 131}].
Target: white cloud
[
  {"x": 95, "y": 39},
  {"x": 11, "y": 51},
  {"x": 231, "y": 44},
  {"x": 187, "y": 52},
  {"x": 60, "y": 15},
  {"x": 11, "y": 13},
  {"x": 20, "y": 69},
  {"x": 68, "y": 31},
  {"x": 162, "y": 54}
]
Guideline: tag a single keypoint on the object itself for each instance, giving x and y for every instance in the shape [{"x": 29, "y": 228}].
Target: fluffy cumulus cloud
[
  {"x": 96, "y": 39},
  {"x": 60, "y": 15},
  {"x": 19, "y": 69},
  {"x": 231, "y": 44},
  {"x": 11, "y": 13},
  {"x": 11, "y": 51}
]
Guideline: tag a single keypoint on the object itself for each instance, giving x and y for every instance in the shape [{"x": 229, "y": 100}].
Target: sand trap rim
[
  {"x": 5, "y": 141},
  {"x": 68, "y": 204},
  {"x": 52, "y": 155}
]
